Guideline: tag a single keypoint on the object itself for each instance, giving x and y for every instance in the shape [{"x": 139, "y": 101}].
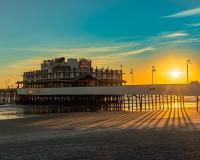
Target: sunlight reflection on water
[{"x": 11, "y": 111}]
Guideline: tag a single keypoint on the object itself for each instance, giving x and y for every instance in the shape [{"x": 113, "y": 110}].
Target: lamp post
[
  {"x": 97, "y": 78},
  {"x": 121, "y": 73},
  {"x": 7, "y": 82},
  {"x": 153, "y": 70},
  {"x": 131, "y": 72},
  {"x": 188, "y": 62}
]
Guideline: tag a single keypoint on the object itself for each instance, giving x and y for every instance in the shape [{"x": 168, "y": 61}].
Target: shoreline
[{"x": 103, "y": 135}]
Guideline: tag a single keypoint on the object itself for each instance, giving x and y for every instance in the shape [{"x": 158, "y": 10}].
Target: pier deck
[
  {"x": 136, "y": 97},
  {"x": 8, "y": 95},
  {"x": 159, "y": 89}
]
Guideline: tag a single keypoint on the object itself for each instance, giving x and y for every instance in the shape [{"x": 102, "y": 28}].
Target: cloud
[
  {"x": 186, "y": 13},
  {"x": 33, "y": 63},
  {"x": 128, "y": 53},
  {"x": 134, "y": 52},
  {"x": 119, "y": 57},
  {"x": 183, "y": 41},
  {"x": 109, "y": 48},
  {"x": 175, "y": 35},
  {"x": 194, "y": 25}
]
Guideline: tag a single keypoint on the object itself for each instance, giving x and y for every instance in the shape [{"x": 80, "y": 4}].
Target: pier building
[{"x": 73, "y": 72}]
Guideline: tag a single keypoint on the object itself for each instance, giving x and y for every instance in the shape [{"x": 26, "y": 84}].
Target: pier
[
  {"x": 131, "y": 98},
  {"x": 8, "y": 95}
]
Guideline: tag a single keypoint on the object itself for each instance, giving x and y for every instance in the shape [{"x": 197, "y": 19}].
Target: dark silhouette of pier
[
  {"x": 113, "y": 98},
  {"x": 8, "y": 95}
]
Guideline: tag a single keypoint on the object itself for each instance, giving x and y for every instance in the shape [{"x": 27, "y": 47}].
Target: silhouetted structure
[
  {"x": 61, "y": 73},
  {"x": 134, "y": 98},
  {"x": 8, "y": 95}
]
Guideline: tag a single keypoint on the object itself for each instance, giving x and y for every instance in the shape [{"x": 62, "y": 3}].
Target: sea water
[{"x": 13, "y": 111}]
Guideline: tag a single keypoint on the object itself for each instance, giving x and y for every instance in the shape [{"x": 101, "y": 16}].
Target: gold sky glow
[{"x": 165, "y": 62}]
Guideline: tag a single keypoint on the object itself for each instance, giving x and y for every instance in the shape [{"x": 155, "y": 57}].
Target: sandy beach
[{"x": 165, "y": 134}]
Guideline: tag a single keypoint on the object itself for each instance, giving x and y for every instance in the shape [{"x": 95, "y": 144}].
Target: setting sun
[{"x": 175, "y": 74}]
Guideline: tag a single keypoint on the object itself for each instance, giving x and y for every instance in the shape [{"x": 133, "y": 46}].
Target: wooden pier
[
  {"x": 8, "y": 95},
  {"x": 108, "y": 102},
  {"x": 130, "y": 98}
]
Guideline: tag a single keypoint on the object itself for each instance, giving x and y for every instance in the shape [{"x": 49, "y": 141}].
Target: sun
[{"x": 175, "y": 74}]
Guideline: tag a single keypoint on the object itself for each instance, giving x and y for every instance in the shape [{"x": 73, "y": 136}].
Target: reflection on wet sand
[
  {"x": 176, "y": 115},
  {"x": 187, "y": 118}
]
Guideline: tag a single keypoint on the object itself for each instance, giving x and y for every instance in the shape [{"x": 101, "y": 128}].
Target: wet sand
[{"x": 166, "y": 134}]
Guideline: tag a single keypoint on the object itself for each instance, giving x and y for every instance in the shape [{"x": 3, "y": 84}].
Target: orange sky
[{"x": 167, "y": 62}]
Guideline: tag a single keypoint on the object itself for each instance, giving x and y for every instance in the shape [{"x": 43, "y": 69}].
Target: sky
[{"x": 134, "y": 33}]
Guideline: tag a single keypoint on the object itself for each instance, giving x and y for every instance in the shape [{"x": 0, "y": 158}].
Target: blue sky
[{"x": 108, "y": 31}]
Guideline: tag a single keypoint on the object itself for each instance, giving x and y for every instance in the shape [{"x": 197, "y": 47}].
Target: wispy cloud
[
  {"x": 181, "y": 41},
  {"x": 118, "y": 57},
  {"x": 105, "y": 51},
  {"x": 186, "y": 13},
  {"x": 128, "y": 53},
  {"x": 104, "y": 48},
  {"x": 134, "y": 52},
  {"x": 194, "y": 25},
  {"x": 175, "y": 35},
  {"x": 34, "y": 62}
]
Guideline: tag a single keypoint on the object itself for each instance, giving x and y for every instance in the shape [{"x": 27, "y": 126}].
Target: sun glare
[{"x": 175, "y": 74}]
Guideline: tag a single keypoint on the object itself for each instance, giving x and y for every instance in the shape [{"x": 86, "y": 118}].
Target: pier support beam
[
  {"x": 140, "y": 102},
  {"x": 197, "y": 102}
]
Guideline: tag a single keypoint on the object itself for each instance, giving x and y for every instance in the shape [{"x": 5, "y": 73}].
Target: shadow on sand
[{"x": 173, "y": 117}]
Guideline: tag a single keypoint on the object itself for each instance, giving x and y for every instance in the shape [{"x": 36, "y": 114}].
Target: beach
[{"x": 164, "y": 134}]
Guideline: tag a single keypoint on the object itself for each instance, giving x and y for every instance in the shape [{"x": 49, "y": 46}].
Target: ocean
[{"x": 13, "y": 111}]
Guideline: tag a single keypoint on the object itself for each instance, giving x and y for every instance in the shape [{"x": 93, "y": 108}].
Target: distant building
[{"x": 73, "y": 72}]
